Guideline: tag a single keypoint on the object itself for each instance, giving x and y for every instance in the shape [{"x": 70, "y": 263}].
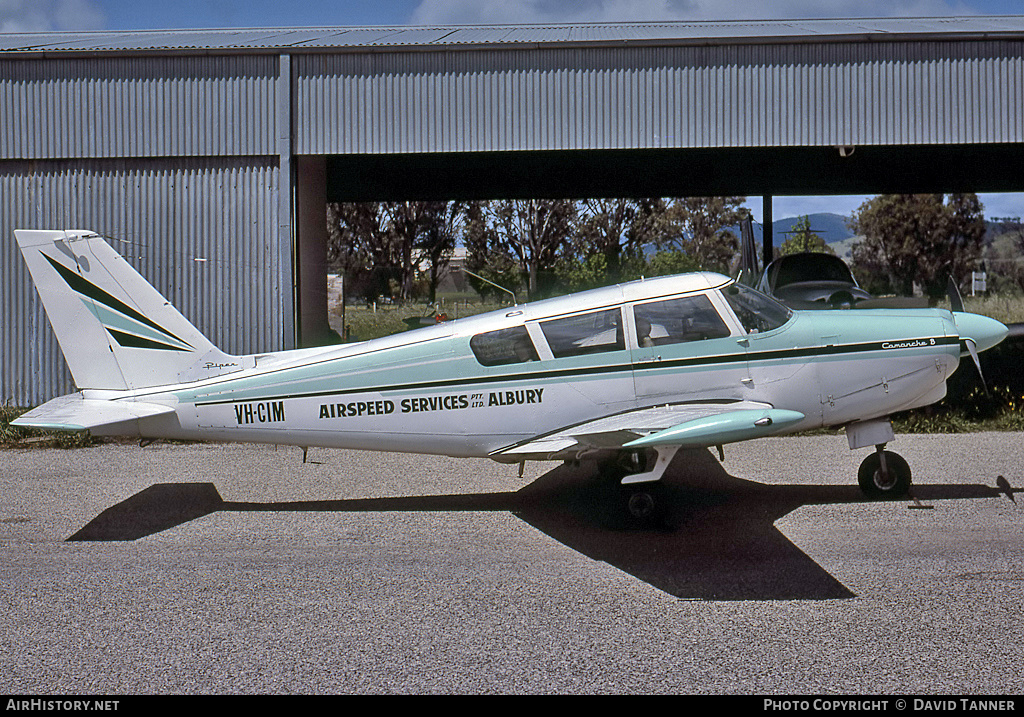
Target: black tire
[
  {"x": 876, "y": 485},
  {"x": 642, "y": 505},
  {"x": 645, "y": 506}
]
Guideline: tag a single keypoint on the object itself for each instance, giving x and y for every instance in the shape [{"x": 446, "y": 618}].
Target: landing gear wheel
[
  {"x": 641, "y": 505},
  {"x": 645, "y": 505},
  {"x": 884, "y": 479}
]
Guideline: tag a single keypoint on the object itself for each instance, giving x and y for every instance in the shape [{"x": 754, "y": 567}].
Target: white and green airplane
[{"x": 624, "y": 375}]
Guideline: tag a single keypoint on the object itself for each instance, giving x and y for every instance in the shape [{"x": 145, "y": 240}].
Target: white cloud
[
  {"x": 50, "y": 15},
  {"x": 78, "y": 15},
  {"x": 579, "y": 11},
  {"x": 21, "y": 16},
  {"x": 546, "y": 11}
]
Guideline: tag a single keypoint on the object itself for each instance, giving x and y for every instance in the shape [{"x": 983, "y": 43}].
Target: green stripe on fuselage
[{"x": 316, "y": 386}]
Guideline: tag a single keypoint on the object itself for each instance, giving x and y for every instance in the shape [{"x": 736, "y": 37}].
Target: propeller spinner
[{"x": 977, "y": 332}]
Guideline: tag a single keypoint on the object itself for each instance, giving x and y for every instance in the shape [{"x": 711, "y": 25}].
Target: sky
[
  {"x": 49, "y": 15},
  {"x": 85, "y": 15}
]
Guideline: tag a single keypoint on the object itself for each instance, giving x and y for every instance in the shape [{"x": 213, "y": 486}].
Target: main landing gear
[
  {"x": 642, "y": 504},
  {"x": 639, "y": 473}
]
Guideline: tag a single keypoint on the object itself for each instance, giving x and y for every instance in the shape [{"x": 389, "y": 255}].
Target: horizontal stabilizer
[
  {"x": 74, "y": 412},
  {"x": 726, "y": 427}
]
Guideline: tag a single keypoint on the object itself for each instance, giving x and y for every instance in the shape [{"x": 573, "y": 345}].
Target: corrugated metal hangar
[{"x": 211, "y": 154}]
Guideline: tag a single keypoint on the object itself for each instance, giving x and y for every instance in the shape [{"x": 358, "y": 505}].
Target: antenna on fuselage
[{"x": 497, "y": 286}]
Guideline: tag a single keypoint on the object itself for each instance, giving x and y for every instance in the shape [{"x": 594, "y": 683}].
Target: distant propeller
[
  {"x": 956, "y": 303},
  {"x": 749, "y": 270}
]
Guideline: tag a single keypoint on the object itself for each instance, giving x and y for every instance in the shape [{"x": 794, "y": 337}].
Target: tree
[
  {"x": 403, "y": 221},
  {"x": 487, "y": 255},
  {"x": 1004, "y": 255},
  {"x": 582, "y": 273},
  {"x": 919, "y": 237},
  {"x": 534, "y": 231},
  {"x": 437, "y": 237},
  {"x": 383, "y": 245},
  {"x": 701, "y": 227},
  {"x": 619, "y": 230},
  {"x": 357, "y": 244},
  {"x": 665, "y": 263},
  {"x": 803, "y": 239}
]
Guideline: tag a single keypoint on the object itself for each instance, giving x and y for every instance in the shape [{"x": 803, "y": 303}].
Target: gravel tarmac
[{"x": 236, "y": 569}]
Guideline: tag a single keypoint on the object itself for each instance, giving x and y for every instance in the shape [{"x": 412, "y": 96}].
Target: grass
[
  {"x": 1008, "y": 308},
  {"x": 371, "y": 322},
  {"x": 16, "y": 437},
  {"x": 967, "y": 410}
]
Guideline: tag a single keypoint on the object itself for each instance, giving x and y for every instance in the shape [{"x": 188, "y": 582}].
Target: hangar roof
[{"x": 318, "y": 39}]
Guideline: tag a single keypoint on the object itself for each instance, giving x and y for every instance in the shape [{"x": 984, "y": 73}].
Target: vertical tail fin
[{"x": 115, "y": 329}]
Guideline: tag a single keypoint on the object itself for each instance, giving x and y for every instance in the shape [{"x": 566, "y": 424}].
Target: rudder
[{"x": 115, "y": 329}]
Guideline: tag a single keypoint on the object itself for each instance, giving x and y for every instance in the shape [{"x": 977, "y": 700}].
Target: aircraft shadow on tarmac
[{"x": 715, "y": 539}]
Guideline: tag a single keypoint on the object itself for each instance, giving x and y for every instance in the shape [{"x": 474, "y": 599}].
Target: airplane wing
[
  {"x": 74, "y": 412},
  {"x": 687, "y": 425}
]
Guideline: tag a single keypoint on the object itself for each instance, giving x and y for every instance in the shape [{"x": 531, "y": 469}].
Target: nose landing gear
[{"x": 884, "y": 474}]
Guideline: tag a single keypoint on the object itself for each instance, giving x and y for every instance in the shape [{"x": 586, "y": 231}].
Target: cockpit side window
[
  {"x": 503, "y": 347},
  {"x": 582, "y": 334},
  {"x": 758, "y": 313},
  {"x": 674, "y": 321}
]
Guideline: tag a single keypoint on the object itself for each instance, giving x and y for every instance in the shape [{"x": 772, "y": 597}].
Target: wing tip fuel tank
[{"x": 728, "y": 427}]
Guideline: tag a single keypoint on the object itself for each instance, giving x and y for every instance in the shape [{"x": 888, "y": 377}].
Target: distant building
[{"x": 209, "y": 155}]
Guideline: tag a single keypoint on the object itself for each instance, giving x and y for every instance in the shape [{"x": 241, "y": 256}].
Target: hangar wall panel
[
  {"x": 138, "y": 107},
  {"x": 203, "y": 231},
  {"x": 651, "y": 97}
]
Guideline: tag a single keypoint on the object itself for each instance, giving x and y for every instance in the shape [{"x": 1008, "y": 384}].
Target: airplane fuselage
[
  {"x": 623, "y": 376},
  {"x": 432, "y": 391}
]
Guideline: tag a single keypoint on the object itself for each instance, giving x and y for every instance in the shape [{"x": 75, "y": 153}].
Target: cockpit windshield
[{"x": 758, "y": 313}]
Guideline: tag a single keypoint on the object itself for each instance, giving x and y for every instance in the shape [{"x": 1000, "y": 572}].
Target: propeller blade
[
  {"x": 972, "y": 348},
  {"x": 749, "y": 270},
  {"x": 956, "y": 302}
]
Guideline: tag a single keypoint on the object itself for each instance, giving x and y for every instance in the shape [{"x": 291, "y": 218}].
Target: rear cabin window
[
  {"x": 503, "y": 347},
  {"x": 676, "y": 321},
  {"x": 583, "y": 334}
]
